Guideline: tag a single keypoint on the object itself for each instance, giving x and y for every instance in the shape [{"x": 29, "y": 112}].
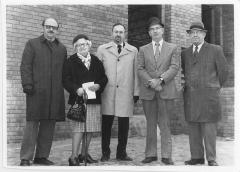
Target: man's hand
[
  {"x": 135, "y": 99},
  {"x": 28, "y": 89},
  {"x": 158, "y": 88},
  {"x": 94, "y": 87},
  {"x": 153, "y": 83}
]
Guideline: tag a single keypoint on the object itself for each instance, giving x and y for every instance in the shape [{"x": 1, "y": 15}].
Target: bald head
[
  {"x": 49, "y": 20},
  {"x": 50, "y": 28}
]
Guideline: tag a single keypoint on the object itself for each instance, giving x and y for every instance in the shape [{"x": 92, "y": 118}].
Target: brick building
[{"x": 23, "y": 22}]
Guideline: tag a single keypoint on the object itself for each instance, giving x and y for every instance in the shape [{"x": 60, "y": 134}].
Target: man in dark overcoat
[
  {"x": 205, "y": 70},
  {"x": 41, "y": 74}
]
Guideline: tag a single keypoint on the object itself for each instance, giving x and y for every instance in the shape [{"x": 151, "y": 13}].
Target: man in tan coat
[
  {"x": 120, "y": 63},
  {"x": 158, "y": 64}
]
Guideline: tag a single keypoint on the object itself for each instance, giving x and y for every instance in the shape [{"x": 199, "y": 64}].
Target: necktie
[
  {"x": 119, "y": 49},
  {"x": 195, "y": 53},
  {"x": 157, "y": 52}
]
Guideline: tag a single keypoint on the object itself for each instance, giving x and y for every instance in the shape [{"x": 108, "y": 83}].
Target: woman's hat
[{"x": 80, "y": 36}]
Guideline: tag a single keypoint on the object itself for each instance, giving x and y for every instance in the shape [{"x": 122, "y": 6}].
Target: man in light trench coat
[
  {"x": 205, "y": 69},
  {"x": 41, "y": 74},
  {"x": 119, "y": 60}
]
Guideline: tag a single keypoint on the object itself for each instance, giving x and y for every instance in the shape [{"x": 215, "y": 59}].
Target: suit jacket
[
  {"x": 75, "y": 74},
  {"x": 204, "y": 76},
  {"x": 166, "y": 67},
  {"x": 121, "y": 70}
]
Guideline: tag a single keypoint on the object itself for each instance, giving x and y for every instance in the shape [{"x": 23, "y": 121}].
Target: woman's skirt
[{"x": 93, "y": 120}]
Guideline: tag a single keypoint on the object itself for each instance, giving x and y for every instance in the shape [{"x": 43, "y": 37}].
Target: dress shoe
[
  {"x": 124, "y": 158},
  {"x": 105, "y": 157},
  {"x": 42, "y": 161},
  {"x": 194, "y": 161},
  {"x": 89, "y": 159},
  {"x": 73, "y": 162},
  {"x": 149, "y": 159},
  {"x": 212, "y": 163},
  {"x": 167, "y": 161},
  {"x": 25, "y": 162},
  {"x": 80, "y": 158}
]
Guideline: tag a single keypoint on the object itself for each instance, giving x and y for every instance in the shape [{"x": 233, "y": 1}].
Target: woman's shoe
[
  {"x": 80, "y": 158},
  {"x": 73, "y": 162},
  {"x": 89, "y": 159}
]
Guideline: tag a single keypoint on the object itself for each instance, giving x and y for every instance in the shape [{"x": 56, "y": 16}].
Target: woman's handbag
[{"x": 77, "y": 112}]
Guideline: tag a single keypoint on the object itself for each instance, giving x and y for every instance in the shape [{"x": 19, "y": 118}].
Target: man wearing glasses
[
  {"x": 205, "y": 70},
  {"x": 41, "y": 74},
  {"x": 158, "y": 64}
]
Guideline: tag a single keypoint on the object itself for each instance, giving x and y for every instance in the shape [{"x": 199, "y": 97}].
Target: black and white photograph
[{"x": 120, "y": 86}]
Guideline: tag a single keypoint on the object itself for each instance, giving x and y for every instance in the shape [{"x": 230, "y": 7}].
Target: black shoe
[
  {"x": 89, "y": 159},
  {"x": 124, "y": 158},
  {"x": 73, "y": 162},
  {"x": 149, "y": 159},
  {"x": 212, "y": 163},
  {"x": 42, "y": 161},
  {"x": 80, "y": 158},
  {"x": 105, "y": 157},
  {"x": 25, "y": 162},
  {"x": 194, "y": 161},
  {"x": 167, "y": 161}
]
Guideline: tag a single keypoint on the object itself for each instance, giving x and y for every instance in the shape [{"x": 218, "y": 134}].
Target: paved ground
[{"x": 61, "y": 150}]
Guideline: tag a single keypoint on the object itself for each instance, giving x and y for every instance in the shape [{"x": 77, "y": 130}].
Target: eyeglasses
[
  {"x": 81, "y": 45},
  {"x": 197, "y": 32},
  {"x": 49, "y": 27},
  {"x": 153, "y": 29}
]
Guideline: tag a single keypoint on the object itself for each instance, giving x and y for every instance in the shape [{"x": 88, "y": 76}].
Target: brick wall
[
  {"x": 24, "y": 22},
  {"x": 228, "y": 39}
]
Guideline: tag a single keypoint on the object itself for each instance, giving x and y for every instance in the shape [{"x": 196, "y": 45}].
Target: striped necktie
[{"x": 157, "y": 52}]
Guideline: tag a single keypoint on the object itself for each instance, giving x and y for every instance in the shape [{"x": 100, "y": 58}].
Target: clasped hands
[
  {"x": 94, "y": 88},
  {"x": 154, "y": 84}
]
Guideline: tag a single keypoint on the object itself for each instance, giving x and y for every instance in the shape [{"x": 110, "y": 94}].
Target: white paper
[{"x": 91, "y": 94}]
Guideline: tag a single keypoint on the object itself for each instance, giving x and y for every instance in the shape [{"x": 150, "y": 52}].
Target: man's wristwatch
[{"x": 162, "y": 81}]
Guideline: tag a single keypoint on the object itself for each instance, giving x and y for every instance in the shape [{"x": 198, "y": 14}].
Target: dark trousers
[
  {"x": 199, "y": 133},
  {"x": 37, "y": 135},
  {"x": 123, "y": 127}
]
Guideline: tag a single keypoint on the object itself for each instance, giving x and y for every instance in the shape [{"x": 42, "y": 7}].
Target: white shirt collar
[
  {"x": 154, "y": 45},
  {"x": 199, "y": 46},
  {"x": 117, "y": 44}
]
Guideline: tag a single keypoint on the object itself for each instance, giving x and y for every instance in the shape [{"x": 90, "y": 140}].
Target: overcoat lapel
[
  {"x": 202, "y": 52},
  {"x": 113, "y": 49},
  {"x": 126, "y": 50}
]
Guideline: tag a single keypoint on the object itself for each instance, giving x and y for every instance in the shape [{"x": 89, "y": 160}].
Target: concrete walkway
[{"x": 61, "y": 150}]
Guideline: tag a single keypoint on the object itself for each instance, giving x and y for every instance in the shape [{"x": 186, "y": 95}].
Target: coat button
[
  {"x": 118, "y": 60},
  {"x": 117, "y": 86}
]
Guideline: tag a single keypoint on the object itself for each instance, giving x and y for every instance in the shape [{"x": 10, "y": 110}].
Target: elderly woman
[{"x": 80, "y": 68}]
